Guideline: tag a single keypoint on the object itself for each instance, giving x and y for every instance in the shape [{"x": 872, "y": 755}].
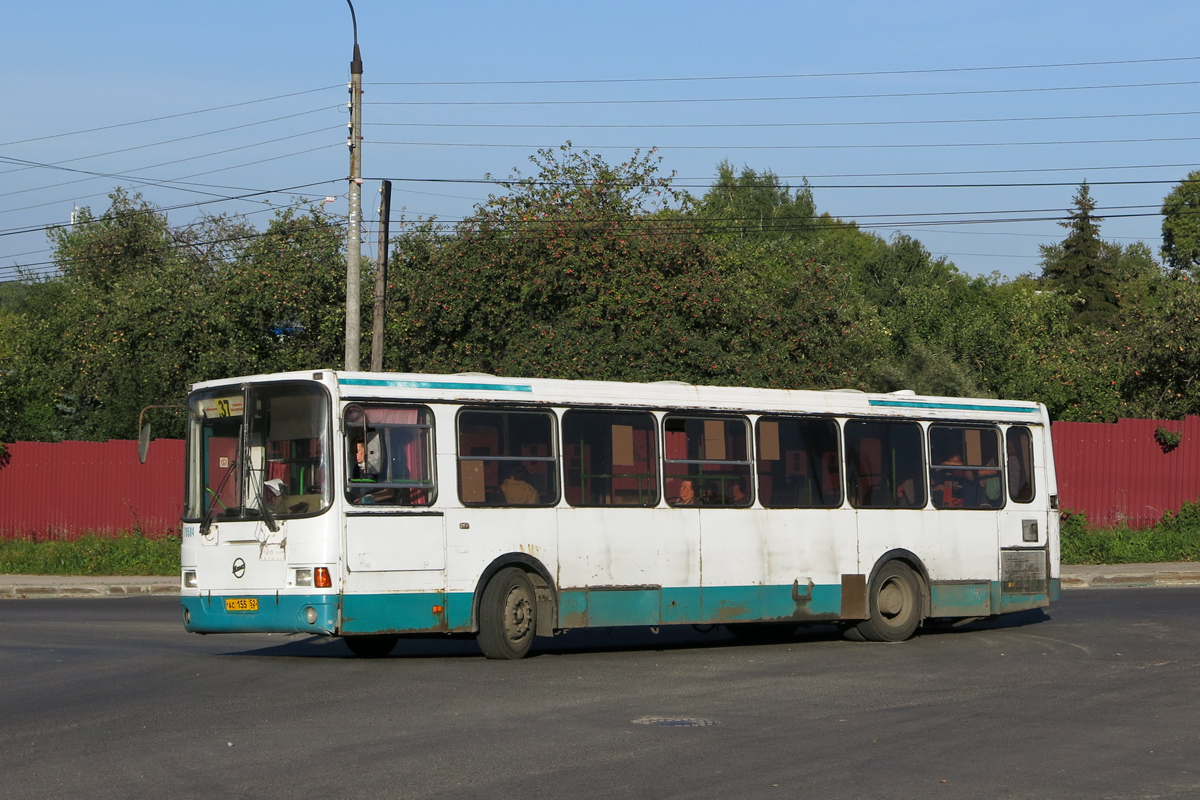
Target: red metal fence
[
  {"x": 1114, "y": 473},
  {"x": 67, "y": 489},
  {"x": 1120, "y": 472}
]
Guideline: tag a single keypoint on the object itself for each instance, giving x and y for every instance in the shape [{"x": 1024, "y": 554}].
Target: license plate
[{"x": 241, "y": 604}]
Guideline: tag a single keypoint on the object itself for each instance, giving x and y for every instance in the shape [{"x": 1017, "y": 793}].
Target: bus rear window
[{"x": 1020, "y": 464}]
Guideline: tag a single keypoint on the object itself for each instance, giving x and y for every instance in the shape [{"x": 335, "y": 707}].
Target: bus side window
[
  {"x": 964, "y": 467},
  {"x": 389, "y": 455},
  {"x": 610, "y": 458},
  {"x": 507, "y": 458},
  {"x": 884, "y": 464},
  {"x": 1020, "y": 464},
  {"x": 707, "y": 461},
  {"x": 798, "y": 463}
]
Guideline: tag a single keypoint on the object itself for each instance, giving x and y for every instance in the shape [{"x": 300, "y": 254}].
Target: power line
[
  {"x": 246, "y": 196},
  {"x": 790, "y": 76},
  {"x": 173, "y": 141},
  {"x": 709, "y": 185},
  {"x": 153, "y": 166},
  {"x": 168, "y": 116},
  {"x": 869, "y": 96},
  {"x": 885, "y": 146},
  {"x": 708, "y": 125}
]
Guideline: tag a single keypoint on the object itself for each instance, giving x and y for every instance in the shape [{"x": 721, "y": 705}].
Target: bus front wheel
[
  {"x": 895, "y": 602},
  {"x": 507, "y": 615}
]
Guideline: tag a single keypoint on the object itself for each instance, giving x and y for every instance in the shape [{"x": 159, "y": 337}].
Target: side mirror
[{"x": 144, "y": 443}]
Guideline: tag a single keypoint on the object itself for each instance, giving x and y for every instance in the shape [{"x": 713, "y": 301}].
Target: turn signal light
[{"x": 321, "y": 578}]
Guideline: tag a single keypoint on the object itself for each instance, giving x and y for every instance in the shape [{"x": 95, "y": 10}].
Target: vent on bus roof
[
  {"x": 473, "y": 375},
  {"x": 671, "y": 383},
  {"x": 905, "y": 392},
  {"x": 855, "y": 391}
]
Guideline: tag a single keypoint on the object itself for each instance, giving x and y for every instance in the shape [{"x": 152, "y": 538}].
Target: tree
[
  {"x": 755, "y": 205},
  {"x": 1076, "y": 267},
  {"x": 574, "y": 272},
  {"x": 139, "y": 310},
  {"x": 1181, "y": 226}
]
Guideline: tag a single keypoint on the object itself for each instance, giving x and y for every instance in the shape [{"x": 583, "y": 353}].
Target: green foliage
[
  {"x": 139, "y": 311},
  {"x": 1181, "y": 226},
  {"x": 1079, "y": 267},
  {"x": 1176, "y": 537},
  {"x": 754, "y": 205},
  {"x": 585, "y": 269},
  {"x": 128, "y": 554},
  {"x": 1162, "y": 342}
]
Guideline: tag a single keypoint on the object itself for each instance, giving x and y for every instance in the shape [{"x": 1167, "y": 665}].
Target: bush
[
  {"x": 128, "y": 554},
  {"x": 1176, "y": 537}
]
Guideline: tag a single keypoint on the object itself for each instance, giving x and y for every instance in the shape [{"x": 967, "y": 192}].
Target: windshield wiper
[{"x": 206, "y": 523}]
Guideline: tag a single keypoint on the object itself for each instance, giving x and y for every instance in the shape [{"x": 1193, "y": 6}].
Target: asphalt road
[{"x": 1098, "y": 698}]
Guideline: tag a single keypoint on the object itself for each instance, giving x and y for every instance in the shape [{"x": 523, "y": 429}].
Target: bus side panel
[
  {"x": 784, "y": 564},
  {"x": 629, "y": 566},
  {"x": 394, "y": 602}
]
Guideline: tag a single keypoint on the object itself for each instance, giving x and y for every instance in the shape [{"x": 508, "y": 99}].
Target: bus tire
[
  {"x": 507, "y": 615},
  {"x": 894, "y": 601},
  {"x": 373, "y": 646}
]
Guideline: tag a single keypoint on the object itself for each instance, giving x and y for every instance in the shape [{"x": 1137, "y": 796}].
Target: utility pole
[
  {"x": 381, "y": 265},
  {"x": 354, "y": 229}
]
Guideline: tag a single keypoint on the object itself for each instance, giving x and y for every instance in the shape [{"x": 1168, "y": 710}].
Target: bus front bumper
[{"x": 264, "y": 613}]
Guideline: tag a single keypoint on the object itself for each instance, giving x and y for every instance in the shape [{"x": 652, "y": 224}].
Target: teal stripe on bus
[
  {"x": 952, "y": 406},
  {"x": 475, "y": 387}
]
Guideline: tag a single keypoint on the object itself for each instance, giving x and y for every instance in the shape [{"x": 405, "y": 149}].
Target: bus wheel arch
[
  {"x": 897, "y": 599},
  {"x": 539, "y": 577}
]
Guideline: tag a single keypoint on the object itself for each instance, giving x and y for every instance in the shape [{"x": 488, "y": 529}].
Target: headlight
[
  {"x": 189, "y": 579},
  {"x": 304, "y": 577}
]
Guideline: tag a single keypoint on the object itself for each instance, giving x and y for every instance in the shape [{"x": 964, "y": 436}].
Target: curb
[
  {"x": 1111, "y": 578},
  {"x": 29, "y": 587}
]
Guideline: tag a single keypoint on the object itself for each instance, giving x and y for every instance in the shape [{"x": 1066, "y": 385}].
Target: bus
[{"x": 372, "y": 506}]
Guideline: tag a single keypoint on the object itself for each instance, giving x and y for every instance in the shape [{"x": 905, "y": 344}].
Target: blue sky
[{"x": 899, "y": 114}]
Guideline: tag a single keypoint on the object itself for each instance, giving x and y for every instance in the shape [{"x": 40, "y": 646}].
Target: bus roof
[{"x": 481, "y": 388}]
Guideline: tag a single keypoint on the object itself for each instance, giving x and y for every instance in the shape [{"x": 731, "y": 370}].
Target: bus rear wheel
[
  {"x": 894, "y": 605},
  {"x": 373, "y": 646},
  {"x": 507, "y": 615}
]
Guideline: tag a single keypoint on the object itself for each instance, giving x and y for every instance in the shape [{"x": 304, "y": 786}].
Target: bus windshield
[{"x": 257, "y": 452}]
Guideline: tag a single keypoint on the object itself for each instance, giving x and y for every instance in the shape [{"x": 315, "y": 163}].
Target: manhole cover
[{"x": 675, "y": 722}]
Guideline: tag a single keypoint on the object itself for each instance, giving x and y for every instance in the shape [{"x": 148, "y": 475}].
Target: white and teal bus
[{"x": 374, "y": 505}]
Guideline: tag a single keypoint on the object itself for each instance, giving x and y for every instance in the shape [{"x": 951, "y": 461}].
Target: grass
[
  {"x": 1176, "y": 537},
  {"x": 127, "y": 554}
]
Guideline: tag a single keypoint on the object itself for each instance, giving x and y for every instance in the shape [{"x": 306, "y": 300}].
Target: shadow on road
[{"x": 616, "y": 640}]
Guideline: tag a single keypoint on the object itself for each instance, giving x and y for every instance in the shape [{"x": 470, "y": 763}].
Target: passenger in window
[
  {"x": 687, "y": 494},
  {"x": 990, "y": 485},
  {"x": 711, "y": 495},
  {"x": 906, "y": 494},
  {"x": 362, "y": 472},
  {"x": 951, "y": 486},
  {"x": 517, "y": 489},
  {"x": 737, "y": 495}
]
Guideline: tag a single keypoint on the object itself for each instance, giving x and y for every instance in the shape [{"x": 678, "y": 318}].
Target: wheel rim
[
  {"x": 518, "y": 614},
  {"x": 894, "y": 599}
]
